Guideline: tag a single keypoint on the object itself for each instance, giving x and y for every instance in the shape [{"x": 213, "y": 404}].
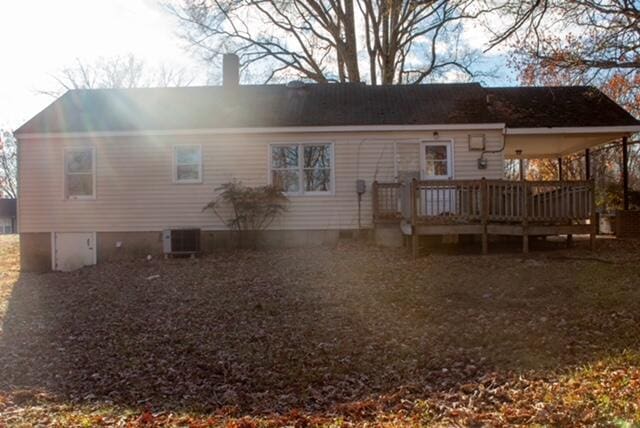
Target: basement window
[
  {"x": 302, "y": 169},
  {"x": 187, "y": 161},
  {"x": 79, "y": 173}
]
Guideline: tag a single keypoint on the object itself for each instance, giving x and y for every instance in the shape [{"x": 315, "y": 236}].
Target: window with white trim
[
  {"x": 437, "y": 160},
  {"x": 187, "y": 161},
  {"x": 79, "y": 172},
  {"x": 302, "y": 168}
]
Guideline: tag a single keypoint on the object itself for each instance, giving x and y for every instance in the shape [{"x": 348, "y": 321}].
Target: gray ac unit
[{"x": 181, "y": 241}]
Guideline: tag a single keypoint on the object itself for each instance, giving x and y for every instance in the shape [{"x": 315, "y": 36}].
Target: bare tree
[
  {"x": 8, "y": 165},
  {"x": 382, "y": 41},
  {"x": 117, "y": 72},
  {"x": 585, "y": 41}
]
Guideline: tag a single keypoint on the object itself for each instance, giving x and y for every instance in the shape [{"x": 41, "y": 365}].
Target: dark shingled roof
[
  {"x": 7, "y": 207},
  {"x": 324, "y": 105},
  {"x": 559, "y": 106}
]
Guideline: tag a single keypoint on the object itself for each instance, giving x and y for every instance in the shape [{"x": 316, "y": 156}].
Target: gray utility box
[{"x": 181, "y": 241}]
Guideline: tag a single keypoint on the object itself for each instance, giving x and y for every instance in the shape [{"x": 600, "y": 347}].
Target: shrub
[{"x": 247, "y": 210}]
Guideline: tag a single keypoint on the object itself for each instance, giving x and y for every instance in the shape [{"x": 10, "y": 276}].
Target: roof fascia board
[
  {"x": 630, "y": 129},
  {"x": 266, "y": 130}
]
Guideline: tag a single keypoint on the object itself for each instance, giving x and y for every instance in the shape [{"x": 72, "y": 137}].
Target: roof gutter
[
  {"x": 629, "y": 129},
  {"x": 264, "y": 130}
]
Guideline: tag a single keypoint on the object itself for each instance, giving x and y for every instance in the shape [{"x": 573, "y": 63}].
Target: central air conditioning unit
[{"x": 181, "y": 242}]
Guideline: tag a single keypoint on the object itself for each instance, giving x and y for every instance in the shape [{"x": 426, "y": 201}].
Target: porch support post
[
  {"x": 587, "y": 164},
  {"x": 625, "y": 173},
  {"x": 559, "y": 169},
  {"x": 525, "y": 218},
  {"x": 594, "y": 216},
  {"x": 415, "y": 240},
  {"x": 484, "y": 198},
  {"x": 521, "y": 169}
]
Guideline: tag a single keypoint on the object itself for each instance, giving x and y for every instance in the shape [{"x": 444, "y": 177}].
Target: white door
[
  {"x": 436, "y": 163},
  {"x": 73, "y": 250}
]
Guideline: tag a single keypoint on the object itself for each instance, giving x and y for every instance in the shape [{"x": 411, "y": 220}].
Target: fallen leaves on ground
[{"x": 353, "y": 335}]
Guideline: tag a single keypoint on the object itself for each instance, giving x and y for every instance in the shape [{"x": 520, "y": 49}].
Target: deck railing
[
  {"x": 447, "y": 201},
  {"x": 488, "y": 201},
  {"x": 560, "y": 201},
  {"x": 386, "y": 199}
]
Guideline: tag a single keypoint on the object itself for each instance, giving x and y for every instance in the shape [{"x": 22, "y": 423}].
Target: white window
[
  {"x": 437, "y": 160},
  {"x": 302, "y": 168},
  {"x": 187, "y": 161},
  {"x": 79, "y": 173}
]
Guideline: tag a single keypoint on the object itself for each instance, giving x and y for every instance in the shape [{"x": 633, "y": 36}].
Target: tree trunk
[{"x": 350, "y": 57}]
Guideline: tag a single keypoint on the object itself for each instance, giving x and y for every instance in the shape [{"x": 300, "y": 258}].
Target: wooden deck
[{"x": 487, "y": 207}]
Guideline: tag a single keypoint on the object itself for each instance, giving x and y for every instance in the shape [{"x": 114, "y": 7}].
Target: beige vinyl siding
[{"x": 135, "y": 189}]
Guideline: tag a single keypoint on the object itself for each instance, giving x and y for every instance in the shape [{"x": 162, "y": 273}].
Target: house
[
  {"x": 8, "y": 216},
  {"x": 103, "y": 173}
]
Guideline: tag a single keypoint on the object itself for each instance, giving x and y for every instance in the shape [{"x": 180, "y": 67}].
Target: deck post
[
  {"x": 594, "y": 216},
  {"x": 587, "y": 164},
  {"x": 560, "y": 169},
  {"x": 374, "y": 201},
  {"x": 625, "y": 173},
  {"x": 484, "y": 215},
  {"x": 525, "y": 217},
  {"x": 414, "y": 219}
]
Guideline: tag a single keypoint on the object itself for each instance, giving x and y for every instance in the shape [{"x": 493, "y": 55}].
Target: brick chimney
[{"x": 230, "y": 71}]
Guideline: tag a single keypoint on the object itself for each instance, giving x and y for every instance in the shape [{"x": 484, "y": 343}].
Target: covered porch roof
[
  {"x": 551, "y": 122},
  {"x": 539, "y": 143}
]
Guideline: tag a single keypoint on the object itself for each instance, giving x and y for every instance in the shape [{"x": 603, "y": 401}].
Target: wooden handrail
[
  {"x": 523, "y": 206},
  {"x": 544, "y": 183},
  {"x": 385, "y": 199},
  {"x": 484, "y": 201},
  {"x": 446, "y": 183}
]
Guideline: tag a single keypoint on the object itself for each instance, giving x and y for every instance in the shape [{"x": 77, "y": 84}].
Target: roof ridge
[
  {"x": 539, "y": 87},
  {"x": 277, "y": 85}
]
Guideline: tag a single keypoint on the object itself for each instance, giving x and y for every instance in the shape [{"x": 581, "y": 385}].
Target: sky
[{"x": 38, "y": 38}]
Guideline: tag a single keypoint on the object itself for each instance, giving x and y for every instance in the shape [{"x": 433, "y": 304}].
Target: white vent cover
[{"x": 476, "y": 142}]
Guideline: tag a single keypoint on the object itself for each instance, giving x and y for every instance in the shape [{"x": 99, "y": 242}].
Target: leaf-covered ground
[{"x": 352, "y": 335}]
